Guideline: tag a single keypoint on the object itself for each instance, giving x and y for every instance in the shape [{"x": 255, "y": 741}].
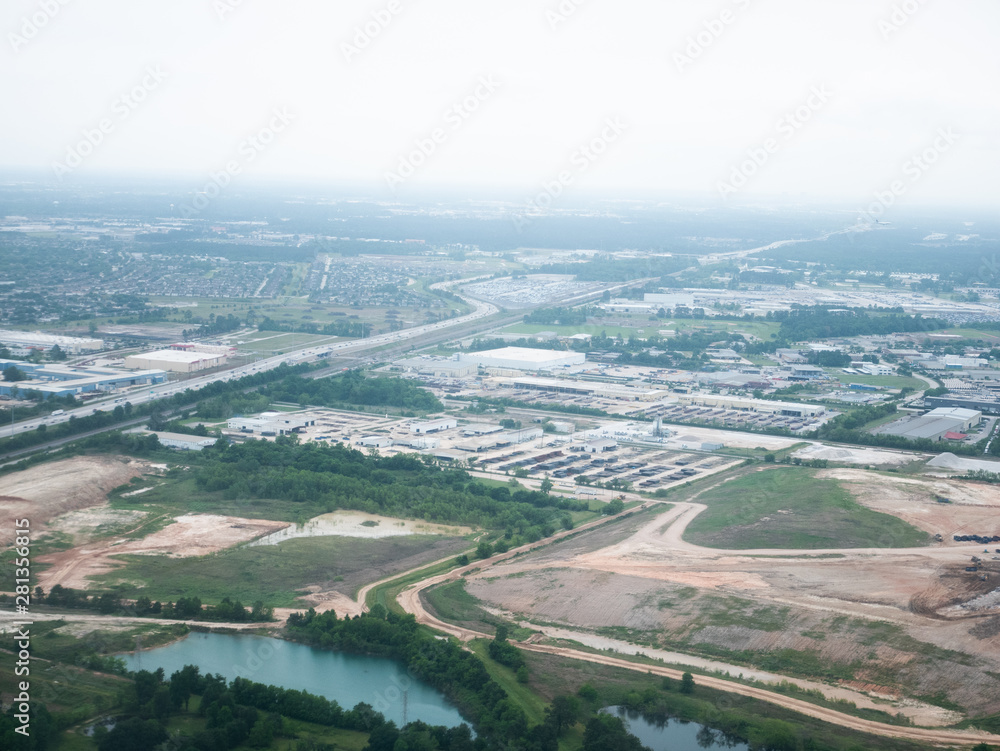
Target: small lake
[
  {"x": 673, "y": 735},
  {"x": 345, "y": 678}
]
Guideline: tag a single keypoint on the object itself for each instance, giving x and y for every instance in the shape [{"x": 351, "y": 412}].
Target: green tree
[
  {"x": 12, "y": 374},
  {"x": 687, "y": 684}
]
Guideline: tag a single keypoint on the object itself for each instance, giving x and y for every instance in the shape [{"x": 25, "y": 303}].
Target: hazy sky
[{"x": 729, "y": 99}]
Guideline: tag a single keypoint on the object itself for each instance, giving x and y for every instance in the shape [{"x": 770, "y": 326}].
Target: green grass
[
  {"x": 181, "y": 495},
  {"x": 276, "y": 574},
  {"x": 791, "y": 508},
  {"x": 888, "y": 382},
  {"x": 65, "y": 689},
  {"x": 531, "y": 702}
]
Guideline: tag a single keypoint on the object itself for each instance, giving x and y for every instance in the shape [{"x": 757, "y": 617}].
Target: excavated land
[
  {"x": 187, "y": 536},
  {"x": 893, "y": 623},
  {"x": 44, "y": 492}
]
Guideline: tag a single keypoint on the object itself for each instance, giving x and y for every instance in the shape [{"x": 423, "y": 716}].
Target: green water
[{"x": 345, "y": 678}]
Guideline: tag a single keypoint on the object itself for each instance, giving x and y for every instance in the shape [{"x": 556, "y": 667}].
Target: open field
[
  {"x": 186, "y": 536},
  {"x": 878, "y": 623},
  {"x": 280, "y": 575},
  {"x": 181, "y": 495},
  {"x": 795, "y": 508}
]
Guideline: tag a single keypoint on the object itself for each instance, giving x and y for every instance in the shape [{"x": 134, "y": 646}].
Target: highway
[{"x": 418, "y": 336}]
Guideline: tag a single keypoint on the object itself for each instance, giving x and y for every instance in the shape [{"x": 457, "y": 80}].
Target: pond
[
  {"x": 345, "y": 678},
  {"x": 673, "y": 734}
]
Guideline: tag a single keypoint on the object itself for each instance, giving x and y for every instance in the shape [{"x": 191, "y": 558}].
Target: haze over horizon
[{"x": 731, "y": 102}]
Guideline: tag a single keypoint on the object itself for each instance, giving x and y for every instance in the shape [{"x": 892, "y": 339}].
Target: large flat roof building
[
  {"x": 523, "y": 358},
  {"x": 176, "y": 361},
  {"x": 37, "y": 340}
]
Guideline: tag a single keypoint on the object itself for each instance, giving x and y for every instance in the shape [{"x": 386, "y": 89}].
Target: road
[
  {"x": 424, "y": 335},
  {"x": 678, "y": 518}
]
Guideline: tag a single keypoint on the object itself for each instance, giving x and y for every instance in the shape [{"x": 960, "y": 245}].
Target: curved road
[{"x": 678, "y": 519}]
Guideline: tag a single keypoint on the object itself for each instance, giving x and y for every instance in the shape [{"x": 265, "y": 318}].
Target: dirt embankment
[{"x": 42, "y": 493}]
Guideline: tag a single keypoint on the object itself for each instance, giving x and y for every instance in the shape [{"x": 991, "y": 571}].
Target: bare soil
[
  {"x": 44, "y": 492},
  {"x": 188, "y": 535}
]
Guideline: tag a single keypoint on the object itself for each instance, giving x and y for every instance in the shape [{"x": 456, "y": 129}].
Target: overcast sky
[{"x": 827, "y": 99}]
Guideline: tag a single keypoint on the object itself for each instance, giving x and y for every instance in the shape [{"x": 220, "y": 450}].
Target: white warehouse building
[
  {"x": 174, "y": 361},
  {"x": 523, "y": 358}
]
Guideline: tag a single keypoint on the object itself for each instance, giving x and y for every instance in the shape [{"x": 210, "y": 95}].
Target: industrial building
[
  {"x": 176, "y": 361},
  {"x": 35, "y": 340},
  {"x": 437, "y": 368},
  {"x": 65, "y": 380},
  {"x": 983, "y": 401},
  {"x": 184, "y": 442},
  {"x": 271, "y": 423},
  {"x": 523, "y": 358},
  {"x": 374, "y": 442},
  {"x": 208, "y": 349},
  {"x": 585, "y": 388},
  {"x": 764, "y": 406},
  {"x": 434, "y": 426},
  {"x": 937, "y": 424},
  {"x": 601, "y": 445}
]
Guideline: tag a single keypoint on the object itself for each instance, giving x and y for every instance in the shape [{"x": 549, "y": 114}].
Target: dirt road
[{"x": 410, "y": 601}]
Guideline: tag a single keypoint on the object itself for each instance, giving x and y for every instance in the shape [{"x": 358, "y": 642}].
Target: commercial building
[
  {"x": 176, "y": 361},
  {"x": 763, "y": 406},
  {"x": 876, "y": 369},
  {"x": 36, "y": 340},
  {"x": 585, "y": 388},
  {"x": 434, "y": 426},
  {"x": 65, "y": 380},
  {"x": 523, "y": 358},
  {"x": 208, "y": 349},
  {"x": 936, "y": 424},
  {"x": 272, "y": 423},
  {"x": 184, "y": 442},
  {"x": 981, "y": 401},
  {"x": 437, "y": 368},
  {"x": 375, "y": 441}
]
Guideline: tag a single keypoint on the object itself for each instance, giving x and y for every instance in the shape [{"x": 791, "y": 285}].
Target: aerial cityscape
[{"x": 559, "y": 377}]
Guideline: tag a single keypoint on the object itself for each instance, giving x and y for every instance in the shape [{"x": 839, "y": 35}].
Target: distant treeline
[
  {"x": 353, "y": 388},
  {"x": 338, "y": 477},
  {"x": 349, "y": 329}
]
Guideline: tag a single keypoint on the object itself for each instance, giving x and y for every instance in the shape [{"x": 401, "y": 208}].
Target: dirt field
[
  {"x": 44, "y": 492},
  {"x": 845, "y": 455},
  {"x": 974, "y": 508},
  {"x": 188, "y": 535},
  {"x": 360, "y": 524},
  {"x": 885, "y": 619}
]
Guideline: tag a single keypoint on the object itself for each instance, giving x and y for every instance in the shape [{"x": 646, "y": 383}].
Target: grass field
[
  {"x": 888, "y": 382},
  {"x": 790, "y": 508},
  {"x": 277, "y": 574},
  {"x": 182, "y": 496}
]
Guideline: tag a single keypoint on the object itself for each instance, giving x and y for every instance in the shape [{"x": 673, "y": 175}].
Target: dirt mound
[
  {"x": 44, "y": 492},
  {"x": 948, "y": 460}
]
